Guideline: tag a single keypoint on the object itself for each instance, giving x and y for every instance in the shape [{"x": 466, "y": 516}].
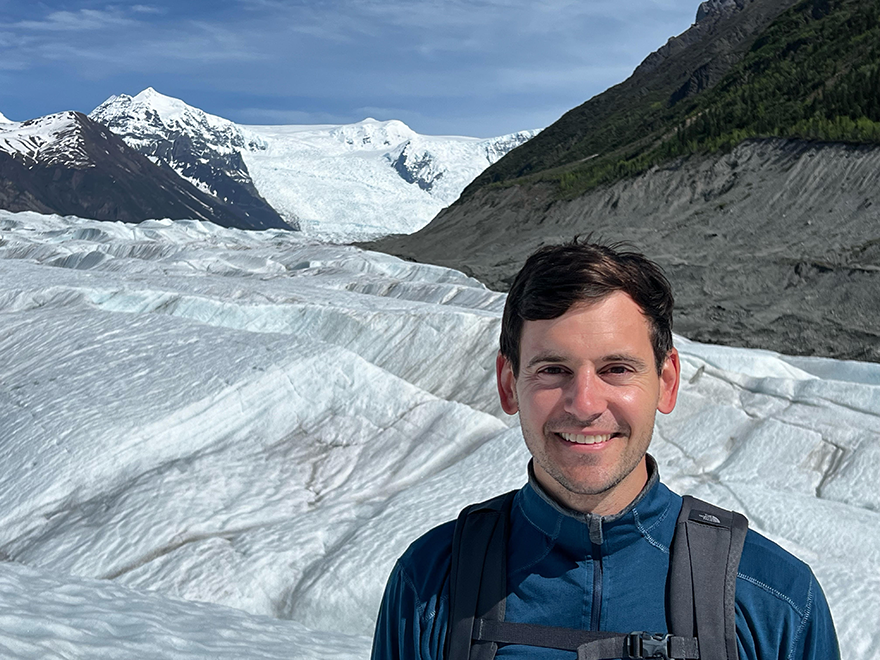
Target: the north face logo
[{"x": 705, "y": 517}]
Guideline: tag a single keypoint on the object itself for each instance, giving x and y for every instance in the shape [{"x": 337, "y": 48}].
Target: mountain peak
[
  {"x": 373, "y": 134},
  {"x": 55, "y": 121},
  {"x": 203, "y": 149},
  {"x": 167, "y": 106},
  {"x": 150, "y": 111},
  {"x": 718, "y": 8}
]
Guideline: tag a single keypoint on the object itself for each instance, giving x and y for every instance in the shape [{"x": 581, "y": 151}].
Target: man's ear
[
  {"x": 670, "y": 376},
  {"x": 506, "y": 381}
]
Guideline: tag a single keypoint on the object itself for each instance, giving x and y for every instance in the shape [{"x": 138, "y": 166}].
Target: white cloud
[
  {"x": 78, "y": 21},
  {"x": 148, "y": 9}
]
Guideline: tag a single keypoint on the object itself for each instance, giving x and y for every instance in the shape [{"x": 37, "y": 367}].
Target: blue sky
[{"x": 478, "y": 67}]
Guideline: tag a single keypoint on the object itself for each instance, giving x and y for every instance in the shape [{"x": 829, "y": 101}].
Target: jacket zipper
[{"x": 596, "y": 610}]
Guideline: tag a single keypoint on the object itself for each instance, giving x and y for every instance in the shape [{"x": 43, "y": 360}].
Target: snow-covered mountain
[
  {"x": 68, "y": 164},
  {"x": 368, "y": 179},
  {"x": 340, "y": 182},
  {"x": 203, "y": 149},
  {"x": 216, "y": 442}
]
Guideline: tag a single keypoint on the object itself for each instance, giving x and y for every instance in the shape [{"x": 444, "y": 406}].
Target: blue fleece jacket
[{"x": 576, "y": 570}]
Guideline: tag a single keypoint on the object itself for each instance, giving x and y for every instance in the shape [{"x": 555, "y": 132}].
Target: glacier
[
  {"x": 365, "y": 180},
  {"x": 217, "y": 442}
]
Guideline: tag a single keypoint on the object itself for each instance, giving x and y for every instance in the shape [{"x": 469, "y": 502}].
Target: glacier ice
[{"x": 208, "y": 429}]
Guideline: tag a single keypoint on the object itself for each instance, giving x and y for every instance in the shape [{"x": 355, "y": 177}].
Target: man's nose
[{"x": 585, "y": 395}]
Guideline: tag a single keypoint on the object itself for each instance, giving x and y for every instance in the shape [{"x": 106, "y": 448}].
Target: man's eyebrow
[
  {"x": 636, "y": 362},
  {"x": 545, "y": 357}
]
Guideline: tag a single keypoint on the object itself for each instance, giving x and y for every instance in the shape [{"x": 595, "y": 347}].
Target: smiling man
[{"x": 594, "y": 558}]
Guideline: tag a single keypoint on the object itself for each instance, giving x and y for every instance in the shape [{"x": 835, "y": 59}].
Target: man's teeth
[{"x": 585, "y": 439}]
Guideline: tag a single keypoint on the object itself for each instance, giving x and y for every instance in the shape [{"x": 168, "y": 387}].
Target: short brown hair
[{"x": 555, "y": 277}]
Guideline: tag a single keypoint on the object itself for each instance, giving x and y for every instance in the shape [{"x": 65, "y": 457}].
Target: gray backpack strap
[
  {"x": 478, "y": 577},
  {"x": 701, "y": 592}
]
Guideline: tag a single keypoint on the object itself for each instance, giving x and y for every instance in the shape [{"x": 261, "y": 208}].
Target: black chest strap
[
  {"x": 700, "y": 592},
  {"x": 589, "y": 644}
]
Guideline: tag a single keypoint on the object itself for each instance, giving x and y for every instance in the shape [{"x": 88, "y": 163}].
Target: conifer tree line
[{"x": 813, "y": 74}]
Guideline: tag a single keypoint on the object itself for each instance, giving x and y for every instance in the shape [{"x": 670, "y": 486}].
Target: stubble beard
[{"x": 629, "y": 459}]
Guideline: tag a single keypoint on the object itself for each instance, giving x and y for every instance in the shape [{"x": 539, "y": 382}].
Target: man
[{"x": 586, "y": 360}]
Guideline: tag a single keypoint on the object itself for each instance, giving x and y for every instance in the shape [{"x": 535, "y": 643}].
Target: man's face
[{"x": 587, "y": 392}]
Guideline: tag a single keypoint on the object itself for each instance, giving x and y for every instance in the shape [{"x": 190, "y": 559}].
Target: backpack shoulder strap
[
  {"x": 478, "y": 574},
  {"x": 701, "y": 590}
]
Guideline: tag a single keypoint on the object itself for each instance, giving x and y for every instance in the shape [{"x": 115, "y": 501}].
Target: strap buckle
[{"x": 641, "y": 644}]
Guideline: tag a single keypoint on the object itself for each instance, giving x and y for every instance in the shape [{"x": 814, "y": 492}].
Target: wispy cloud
[
  {"x": 84, "y": 20},
  {"x": 434, "y": 61},
  {"x": 148, "y": 9}
]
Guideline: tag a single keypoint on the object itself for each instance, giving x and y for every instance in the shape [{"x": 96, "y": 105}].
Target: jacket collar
[{"x": 642, "y": 518}]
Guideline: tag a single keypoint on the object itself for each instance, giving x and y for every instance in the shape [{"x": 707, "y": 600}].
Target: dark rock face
[
  {"x": 204, "y": 153},
  {"x": 775, "y": 245},
  {"x": 86, "y": 170},
  {"x": 226, "y": 177},
  {"x": 713, "y": 9},
  {"x": 416, "y": 168},
  {"x": 416, "y": 163}
]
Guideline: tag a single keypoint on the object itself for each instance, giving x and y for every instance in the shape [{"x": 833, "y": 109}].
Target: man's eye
[
  {"x": 552, "y": 371},
  {"x": 617, "y": 370}
]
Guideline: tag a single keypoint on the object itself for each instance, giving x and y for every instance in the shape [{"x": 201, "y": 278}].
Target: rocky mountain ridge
[
  {"x": 340, "y": 182},
  {"x": 621, "y": 120},
  {"x": 67, "y": 164},
  {"x": 349, "y": 181},
  {"x": 202, "y": 148}
]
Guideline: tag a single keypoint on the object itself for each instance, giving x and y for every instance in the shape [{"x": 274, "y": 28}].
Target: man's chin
[{"x": 579, "y": 484}]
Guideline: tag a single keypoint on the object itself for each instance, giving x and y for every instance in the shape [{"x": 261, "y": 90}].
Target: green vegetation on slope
[{"x": 814, "y": 73}]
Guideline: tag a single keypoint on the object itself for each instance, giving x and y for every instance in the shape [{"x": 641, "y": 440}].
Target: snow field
[{"x": 217, "y": 442}]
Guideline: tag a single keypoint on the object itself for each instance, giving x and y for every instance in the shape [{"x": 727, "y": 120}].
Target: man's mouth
[{"x": 579, "y": 439}]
